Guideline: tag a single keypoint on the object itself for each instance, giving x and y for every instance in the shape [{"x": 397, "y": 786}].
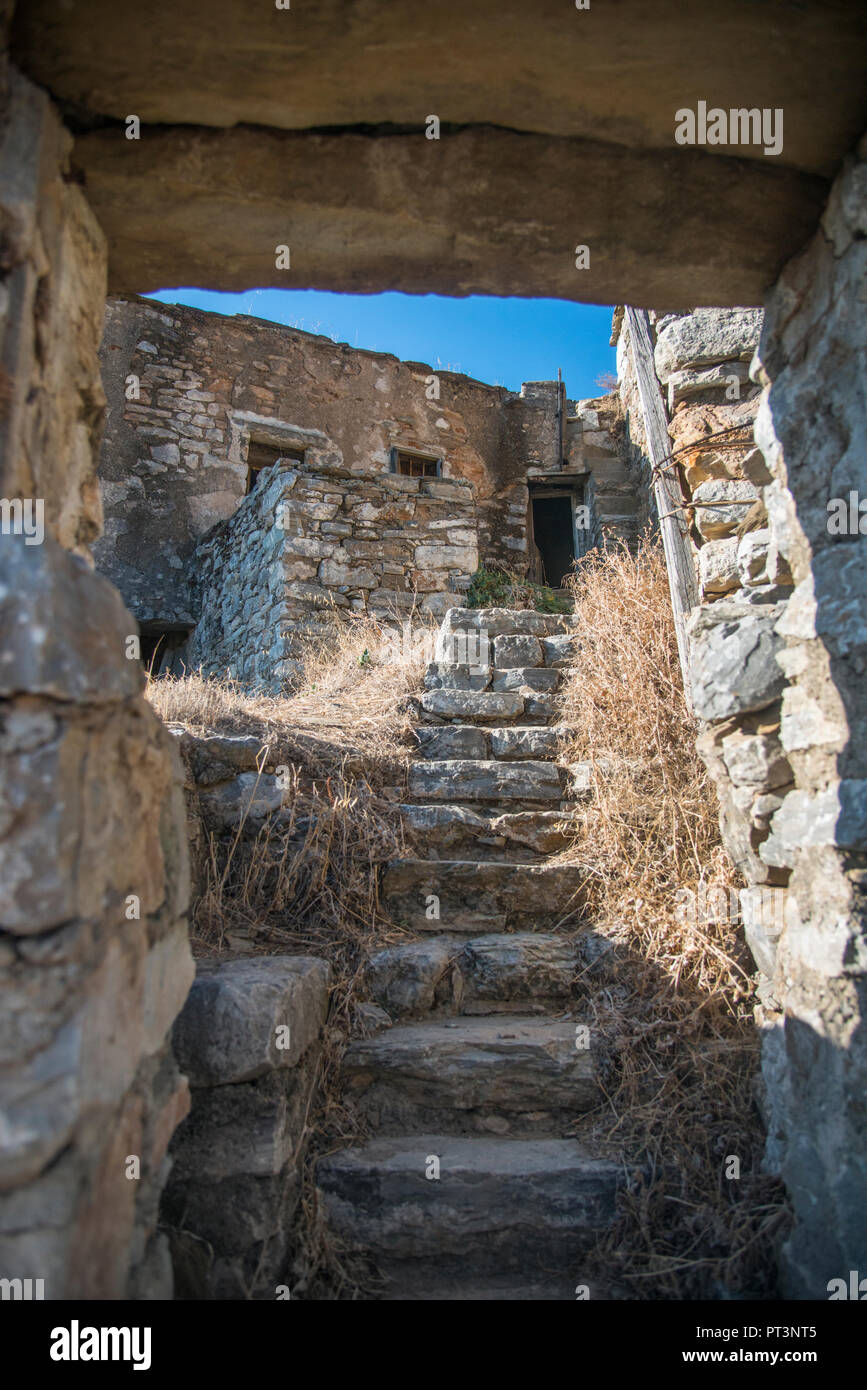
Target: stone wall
[
  {"x": 777, "y": 663},
  {"x": 812, "y": 430},
  {"x": 94, "y": 958},
  {"x": 311, "y": 543},
  {"x": 249, "y": 1039},
  {"x": 615, "y": 491}
]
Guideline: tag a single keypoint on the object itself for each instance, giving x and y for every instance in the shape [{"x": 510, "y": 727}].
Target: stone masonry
[
  {"x": 311, "y": 543},
  {"x": 94, "y": 957}
]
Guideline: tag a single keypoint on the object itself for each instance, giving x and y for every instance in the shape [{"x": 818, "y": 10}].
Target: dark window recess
[
  {"x": 415, "y": 465},
  {"x": 262, "y": 456},
  {"x": 159, "y": 644},
  {"x": 553, "y": 534}
]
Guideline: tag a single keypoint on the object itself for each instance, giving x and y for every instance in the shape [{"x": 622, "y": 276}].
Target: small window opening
[
  {"x": 415, "y": 465},
  {"x": 261, "y": 456}
]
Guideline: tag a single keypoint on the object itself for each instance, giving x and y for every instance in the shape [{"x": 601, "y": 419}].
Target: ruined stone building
[{"x": 255, "y": 479}]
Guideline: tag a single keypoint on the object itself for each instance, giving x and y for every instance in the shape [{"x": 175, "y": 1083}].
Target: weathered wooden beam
[{"x": 682, "y": 581}]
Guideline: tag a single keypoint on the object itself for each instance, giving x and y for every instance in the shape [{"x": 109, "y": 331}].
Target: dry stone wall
[
  {"x": 776, "y": 671},
  {"x": 812, "y": 430},
  {"x": 310, "y": 544},
  {"x": 249, "y": 1039},
  {"x": 94, "y": 957}
]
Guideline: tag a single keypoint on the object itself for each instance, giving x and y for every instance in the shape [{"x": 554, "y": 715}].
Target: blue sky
[{"x": 501, "y": 341}]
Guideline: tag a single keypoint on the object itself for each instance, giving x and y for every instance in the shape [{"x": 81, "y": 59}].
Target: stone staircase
[{"x": 470, "y": 1186}]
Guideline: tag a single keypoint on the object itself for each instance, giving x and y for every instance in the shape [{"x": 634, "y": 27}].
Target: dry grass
[
  {"x": 677, "y": 1025},
  {"x": 356, "y": 682}
]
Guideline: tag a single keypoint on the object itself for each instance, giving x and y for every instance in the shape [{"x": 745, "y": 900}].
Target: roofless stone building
[{"x": 257, "y": 480}]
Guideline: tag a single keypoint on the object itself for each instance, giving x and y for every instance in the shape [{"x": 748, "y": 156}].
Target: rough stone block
[
  {"x": 753, "y": 554},
  {"x": 530, "y": 897},
  {"x": 228, "y": 1030},
  {"x": 521, "y": 967},
  {"x": 460, "y": 1071},
  {"x": 705, "y": 337},
  {"x": 733, "y": 666},
  {"x": 449, "y": 675},
  {"x": 540, "y": 678},
  {"x": 517, "y": 651},
  {"x": 412, "y": 978},
  {"x": 255, "y": 1127},
  {"x": 452, "y": 741},
  {"x": 539, "y": 1193},
  {"x": 250, "y": 795},
  {"x": 763, "y": 915},
  {"x": 467, "y": 780},
  {"x": 37, "y": 655},
  {"x": 718, "y": 566},
  {"x": 560, "y": 650},
  {"x": 721, "y": 505},
  {"x": 484, "y": 706},
  {"x": 535, "y": 742}
]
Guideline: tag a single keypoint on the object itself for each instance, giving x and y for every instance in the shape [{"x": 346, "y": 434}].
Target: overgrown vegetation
[
  {"x": 492, "y": 587},
  {"x": 677, "y": 1024}
]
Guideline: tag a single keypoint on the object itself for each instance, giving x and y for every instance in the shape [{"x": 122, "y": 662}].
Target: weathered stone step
[
  {"x": 525, "y": 678},
  {"x": 448, "y": 741},
  {"x": 473, "y": 896},
  {"x": 501, "y": 1074},
  {"x": 473, "y": 779},
  {"x": 483, "y": 706},
  {"x": 498, "y": 1206},
  {"x": 499, "y": 622},
  {"x": 447, "y": 826},
  {"x": 515, "y": 971}
]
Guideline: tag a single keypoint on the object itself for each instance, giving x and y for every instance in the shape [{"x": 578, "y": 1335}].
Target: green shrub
[{"x": 502, "y": 588}]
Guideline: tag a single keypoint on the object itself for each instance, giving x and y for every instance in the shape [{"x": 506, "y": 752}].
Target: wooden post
[{"x": 666, "y": 488}]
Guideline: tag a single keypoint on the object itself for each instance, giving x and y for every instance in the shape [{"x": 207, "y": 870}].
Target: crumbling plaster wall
[
  {"x": 173, "y": 462},
  {"x": 94, "y": 957}
]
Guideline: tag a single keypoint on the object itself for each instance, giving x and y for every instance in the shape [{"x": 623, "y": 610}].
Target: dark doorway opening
[
  {"x": 162, "y": 647},
  {"x": 554, "y": 536}
]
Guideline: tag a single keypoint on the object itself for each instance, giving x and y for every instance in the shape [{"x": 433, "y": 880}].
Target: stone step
[
  {"x": 491, "y": 1074},
  {"x": 456, "y": 675},
  {"x": 478, "y": 896},
  {"x": 541, "y": 709},
  {"x": 532, "y": 969},
  {"x": 474, "y": 779},
  {"x": 447, "y": 826},
  {"x": 499, "y": 622},
  {"x": 544, "y": 679},
  {"x": 500, "y": 971},
  {"x": 484, "y": 706},
  {"x": 499, "y": 1206},
  {"x": 447, "y": 741}
]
